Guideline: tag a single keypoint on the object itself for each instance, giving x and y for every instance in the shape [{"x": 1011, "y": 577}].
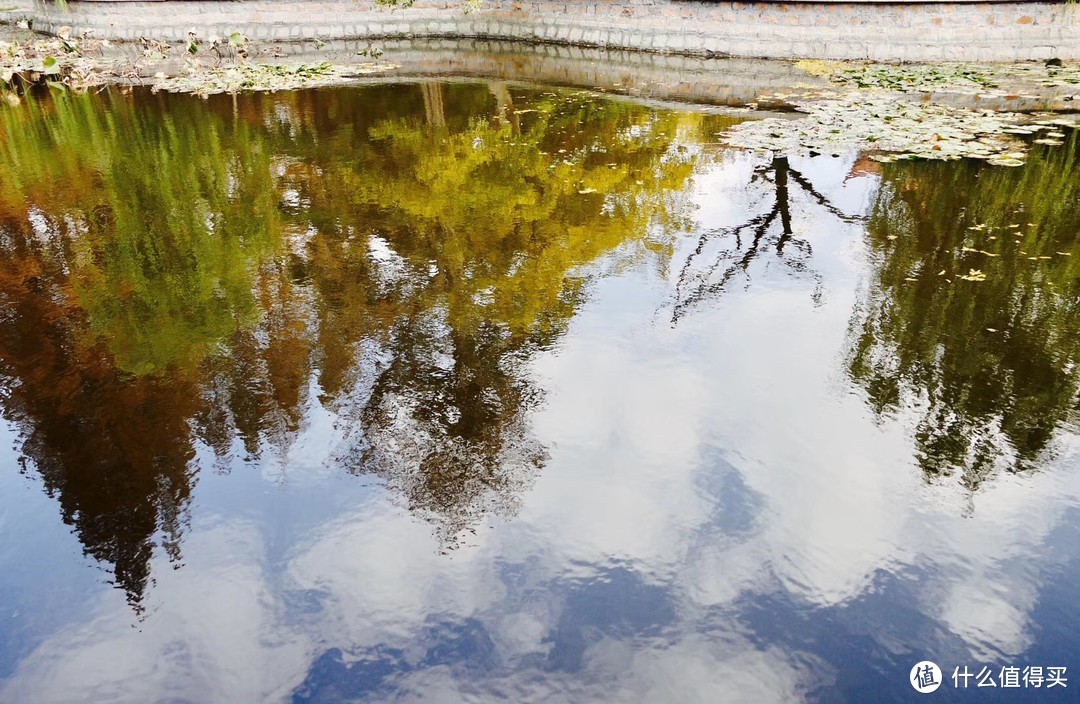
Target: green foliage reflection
[
  {"x": 178, "y": 271},
  {"x": 162, "y": 219},
  {"x": 988, "y": 365}
]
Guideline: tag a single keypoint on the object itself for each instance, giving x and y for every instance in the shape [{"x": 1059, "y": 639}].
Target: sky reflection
[{"x": 707, "y": 506}]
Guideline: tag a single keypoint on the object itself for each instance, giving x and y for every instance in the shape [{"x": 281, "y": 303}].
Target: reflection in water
[
  {"x": 450, "y": 287},
  {"x": 178, "y": 273},
  {"x": 988, "y": 366},
  {"x": 700, "y": 281}
]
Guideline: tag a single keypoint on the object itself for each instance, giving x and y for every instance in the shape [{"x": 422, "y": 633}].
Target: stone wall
[
  {"x": 644, "y": 76},
  {"x": 975, "y": 31},
  {"x": 711, "y": 84}
]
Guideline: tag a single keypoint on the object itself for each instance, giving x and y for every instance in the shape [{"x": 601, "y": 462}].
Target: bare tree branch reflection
[{"x": 769, "y": 230}]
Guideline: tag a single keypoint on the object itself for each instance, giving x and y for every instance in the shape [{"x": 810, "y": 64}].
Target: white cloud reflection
[{"x": 719, "y": 462}]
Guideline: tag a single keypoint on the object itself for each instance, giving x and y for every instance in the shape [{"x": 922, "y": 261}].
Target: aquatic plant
[{"x": 895, "y": 129}]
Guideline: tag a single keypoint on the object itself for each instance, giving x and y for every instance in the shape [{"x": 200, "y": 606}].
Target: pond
[{"x": 480, "y": 391}]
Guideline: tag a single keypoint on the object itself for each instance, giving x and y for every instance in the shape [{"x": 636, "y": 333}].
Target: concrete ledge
[
  {"x": 899, "y": 31},
  {"x": 644, "y": 77}
]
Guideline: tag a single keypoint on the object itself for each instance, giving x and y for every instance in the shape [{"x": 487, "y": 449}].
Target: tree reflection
[
  {"x": 704, "y": 276},
  {"x": 179, "y": 272},
  {"x": 987, "y": 367},
  {"x": 123, "y": 268},
  {"x": 476, "y": 225},
  {"x": 113, "y": 449}
]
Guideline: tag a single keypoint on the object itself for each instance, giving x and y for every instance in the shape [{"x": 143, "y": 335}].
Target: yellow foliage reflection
[{"x": 178, "y": 272}]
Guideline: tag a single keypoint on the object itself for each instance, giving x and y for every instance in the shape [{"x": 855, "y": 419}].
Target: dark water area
[{"x": 480, "y": 392}]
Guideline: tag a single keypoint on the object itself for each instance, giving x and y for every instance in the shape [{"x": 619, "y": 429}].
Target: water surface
[{"x": 476, "y": 392}]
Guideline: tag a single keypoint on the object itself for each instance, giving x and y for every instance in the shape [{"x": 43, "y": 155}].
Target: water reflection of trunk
[
  {"x": 780, "y": 168},
  {"x": 434, "y": 106},
  {"x": 697, "y": 283},
  {"x": 505, "y": 104}
]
